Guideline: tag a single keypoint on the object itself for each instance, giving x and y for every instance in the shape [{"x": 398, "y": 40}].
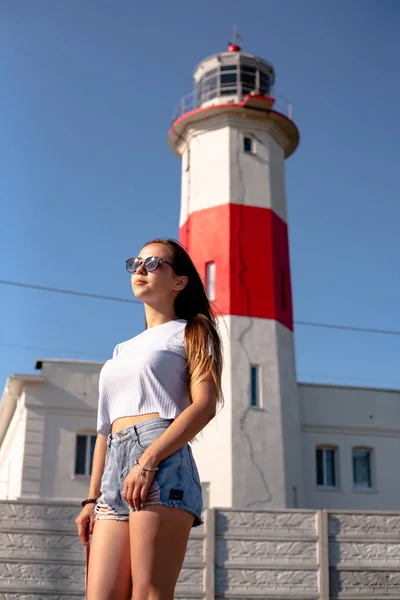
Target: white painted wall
[
  {"x": 33, "y": 451},
  {"x": 58, "y": 478},
  {"x": 346, "y": 418},
  {"x": 65, "y": 403},
  {"x": 205, "y": 169},
  {"x": 216, "y": 170},
  {"x": 12, "y": 454}
]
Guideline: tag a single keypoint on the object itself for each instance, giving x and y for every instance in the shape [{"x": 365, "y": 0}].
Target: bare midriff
[{"x": 124, "y": 422}]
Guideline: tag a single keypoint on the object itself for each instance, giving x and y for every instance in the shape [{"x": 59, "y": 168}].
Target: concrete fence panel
[
  {"x": 242, "y": 554},
  {"x": 364, "y": 555}
]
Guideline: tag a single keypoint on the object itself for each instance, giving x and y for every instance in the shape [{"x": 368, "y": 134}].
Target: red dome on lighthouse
[{"x": 234, "y": 48}]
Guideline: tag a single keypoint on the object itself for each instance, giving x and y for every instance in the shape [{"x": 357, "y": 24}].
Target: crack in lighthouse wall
[
  {"x": 257, "y": 178},
  {"x": 245, "y": 431},
  {"x": 260, "y": 450}
]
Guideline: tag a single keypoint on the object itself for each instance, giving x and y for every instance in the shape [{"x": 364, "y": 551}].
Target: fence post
[
  {"x": 209, "y": 552},
  {"x": 323, "y": 554}
]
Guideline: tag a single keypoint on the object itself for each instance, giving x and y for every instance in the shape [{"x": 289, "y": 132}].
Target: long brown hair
[{"x": 202, "y": 340}]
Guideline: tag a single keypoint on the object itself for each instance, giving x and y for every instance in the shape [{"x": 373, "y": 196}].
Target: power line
[
  {"x": 44, "y": 288},
  {"x": 349, "y": 328}
]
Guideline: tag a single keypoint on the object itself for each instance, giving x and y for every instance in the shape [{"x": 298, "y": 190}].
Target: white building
[
  {"x": 47, "y": 430},
  {"x": 276, "y": 443},
  {"x": 47, "y": 422}
]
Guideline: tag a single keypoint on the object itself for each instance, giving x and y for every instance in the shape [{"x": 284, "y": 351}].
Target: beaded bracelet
[
  {"x": 145, "y": 468},
  {"x": 89, "y": 501}
]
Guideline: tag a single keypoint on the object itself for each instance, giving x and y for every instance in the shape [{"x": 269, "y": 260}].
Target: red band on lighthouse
[{"x": 249, "y": 246}]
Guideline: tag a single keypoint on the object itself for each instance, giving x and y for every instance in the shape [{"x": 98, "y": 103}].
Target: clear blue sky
[{"x": 87, "y": 92}]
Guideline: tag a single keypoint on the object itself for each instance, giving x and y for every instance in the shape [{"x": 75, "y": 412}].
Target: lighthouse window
[
  {"x": 255, "y": 386},
  {"x": 248, "y": 69},
  {"x": 228, "y": 84},
  {"x": 248, "y": 145},
  {"x": 208, "y": 86},
  {"x": 210, "y": 280},
  {"x": 228, "y": 79},
  {"x": 208, "y": 81},
  {"x": 264, "y": 83},
  {"x": 248, "y": 79}
]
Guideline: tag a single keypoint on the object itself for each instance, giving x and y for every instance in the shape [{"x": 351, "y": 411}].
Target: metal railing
[
  {"x": 186, "y": 104},
  {"x": 198, "y": 99}
]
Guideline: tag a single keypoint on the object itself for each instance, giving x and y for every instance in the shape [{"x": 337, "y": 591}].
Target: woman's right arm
[{"x": 86, "y": 516}]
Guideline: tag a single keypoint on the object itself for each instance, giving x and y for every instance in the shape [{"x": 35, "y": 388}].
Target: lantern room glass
[{"x": 236, "y": 79}]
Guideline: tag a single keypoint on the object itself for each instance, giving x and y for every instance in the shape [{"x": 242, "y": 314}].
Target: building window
[
  {"x": 248, "y": 145},
  {"x": 255, "y": 385},
  {"x": 210, "y": 280},
  {"x": 326, "y": 467},
  {"x": 84, "y": 453},
  {"x": 205, "y": 486},
  {"x": 362, "y": 477}
]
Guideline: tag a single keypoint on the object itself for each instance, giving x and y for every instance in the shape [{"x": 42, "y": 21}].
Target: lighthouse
[{"x": 233, "y": 143}]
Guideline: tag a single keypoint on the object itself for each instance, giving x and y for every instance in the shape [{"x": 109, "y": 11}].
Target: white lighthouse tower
[{"x": 233, "y": 222}]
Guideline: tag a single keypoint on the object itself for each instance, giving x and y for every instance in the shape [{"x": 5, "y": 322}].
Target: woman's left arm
[
  {"x": 186, "y": 425},
  {"x": 184, "y": 428}
]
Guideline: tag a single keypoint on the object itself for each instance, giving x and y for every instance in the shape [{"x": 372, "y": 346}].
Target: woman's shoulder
[
  {"x": 126, "y": 344},
  {"x": 169, "y": 332},
  {"x": 168, "y": 335}
]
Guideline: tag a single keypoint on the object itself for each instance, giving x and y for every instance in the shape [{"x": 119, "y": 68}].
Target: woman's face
[{"x": 159, "y": 285}]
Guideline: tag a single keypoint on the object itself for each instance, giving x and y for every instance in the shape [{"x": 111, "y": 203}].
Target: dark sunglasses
[{"x": 151, "y": 263}]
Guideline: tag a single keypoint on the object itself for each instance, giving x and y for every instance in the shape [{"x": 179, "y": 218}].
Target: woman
[{"x": 156, "y": 394}]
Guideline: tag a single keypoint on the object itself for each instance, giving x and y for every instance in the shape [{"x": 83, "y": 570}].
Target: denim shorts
[{"x": 175, "y": 484}]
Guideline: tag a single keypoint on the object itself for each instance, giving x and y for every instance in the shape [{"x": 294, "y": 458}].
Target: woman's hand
[
  {"x": 85, "y": 522},
  {"x": 136, "y": 486}
]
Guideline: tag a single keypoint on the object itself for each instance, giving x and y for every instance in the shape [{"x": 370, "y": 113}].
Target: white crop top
[{"x": 146, "y": 374}]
